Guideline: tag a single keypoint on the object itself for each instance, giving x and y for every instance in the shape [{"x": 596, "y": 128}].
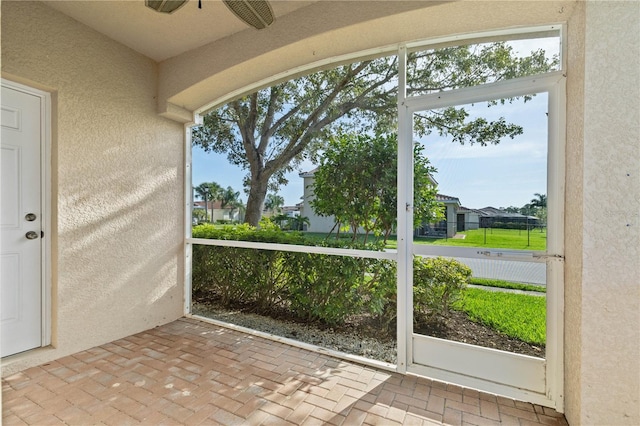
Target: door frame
[
  {"x": 552, "y": 366},
  {"x": 45, "y": 203}
]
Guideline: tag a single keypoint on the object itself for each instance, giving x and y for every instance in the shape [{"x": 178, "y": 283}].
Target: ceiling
[{"x": 161, "y": 36}]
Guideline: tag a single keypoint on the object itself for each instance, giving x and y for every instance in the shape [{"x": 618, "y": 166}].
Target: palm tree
[
  {"x": 539, "y": 201},
  {"x": 297, "y": 222},
  {"x": 273, "y": 203},
  {"x": 230, "y": 199},
  {"x": 208, "y": 191},
  {"x": 539, "y": 205},
  {"x": 528, "y": 210}
]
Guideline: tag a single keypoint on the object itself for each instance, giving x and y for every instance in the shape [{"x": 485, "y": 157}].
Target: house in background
[
  {"x": 491, "y": 217},
  {"x": 451, "y": 204},
  {"x": 322, "y": 224},
  {"x": 115, "y": 85},
  {"x": 467, "y": 219},
  {"x": 289, "y": 211},
  {"x": 327, "y": 224},
  {"x": 447, "y": 227},
  {"x": 215, "y": 211}
]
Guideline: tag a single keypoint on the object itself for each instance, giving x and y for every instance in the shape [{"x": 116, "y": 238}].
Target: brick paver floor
[{"x": 194, "y": 373}]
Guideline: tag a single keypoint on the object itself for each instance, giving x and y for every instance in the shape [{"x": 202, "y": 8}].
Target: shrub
[
  {"x": 330, "y": 288},
  {"x": 314, "y": 287},
  {"x": 324, "y": 287},
  {"x": 215, "y": 270},
  {"x": 237, "y": 275},
  {"x": 437, "y": 285},
  {"x": 317, "y": 287},
  {"x": 381, "y": 292}
]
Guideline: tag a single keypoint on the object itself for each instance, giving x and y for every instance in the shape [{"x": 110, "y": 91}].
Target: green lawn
[
  {"x": 496, "y": 238},
  {"x": 489, "y": 238},
  {"x": 516, "y": 315},
  {"x": 507, "y": 284}
]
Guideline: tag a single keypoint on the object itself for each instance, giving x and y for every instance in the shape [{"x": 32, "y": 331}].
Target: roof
[
  {"x": 463, "y": 209},
  {"x": 310, "y": 173},
  {"x": 447, "y": 199},
  {"x": 494, "y": 212}
]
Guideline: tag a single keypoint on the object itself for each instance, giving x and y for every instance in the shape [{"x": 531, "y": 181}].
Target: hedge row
[{"x": 316, "y": 287}]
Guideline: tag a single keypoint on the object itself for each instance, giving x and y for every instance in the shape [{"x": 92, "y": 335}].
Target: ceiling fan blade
[
  {"x": 165, "y": 6},
  {"x": 257, "y": 13}
]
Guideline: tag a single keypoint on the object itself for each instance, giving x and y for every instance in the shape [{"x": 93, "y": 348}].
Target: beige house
[
  {"x": 467, "y": 219},
  {"x": 451, "y": 206},
  {"x": 317, "y": 223},
  {"x": 115, "y": 85},
  {"x": 216, "y": 212}
]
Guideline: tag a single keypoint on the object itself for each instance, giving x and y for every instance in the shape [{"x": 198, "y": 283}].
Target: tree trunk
[{"x": 255, "y": 201}]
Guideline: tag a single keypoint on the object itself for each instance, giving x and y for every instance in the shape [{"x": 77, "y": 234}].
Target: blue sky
[
  {"x": 503, "y": 175},
  {"x": 507, "y": 174}
]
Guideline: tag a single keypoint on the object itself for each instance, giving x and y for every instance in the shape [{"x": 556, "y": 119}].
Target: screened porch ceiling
[{"x": 161, "y": 36}]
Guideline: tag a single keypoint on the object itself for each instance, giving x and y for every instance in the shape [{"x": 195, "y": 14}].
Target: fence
[{"x": 449, "y": 229}]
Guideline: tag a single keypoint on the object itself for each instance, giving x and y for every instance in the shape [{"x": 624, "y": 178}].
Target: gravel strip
[{"x": 348, "y": 342}]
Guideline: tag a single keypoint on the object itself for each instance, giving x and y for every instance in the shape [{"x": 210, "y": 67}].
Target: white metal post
[
  {"x": 555, "y": 244},
  {"x": 405, "y": 220},
  {"x": 188, "y": 203}
]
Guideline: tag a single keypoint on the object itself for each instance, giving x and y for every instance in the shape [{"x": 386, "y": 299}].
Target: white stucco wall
[
  {"x": 117, "y": 178},
  {"x": 610, "y": 294},
  {"x": 451, "y": 218},
  {"x": 316, "y": 223}
]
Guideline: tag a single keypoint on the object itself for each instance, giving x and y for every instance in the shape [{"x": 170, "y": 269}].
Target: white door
[{"x": 21, "y": 222}]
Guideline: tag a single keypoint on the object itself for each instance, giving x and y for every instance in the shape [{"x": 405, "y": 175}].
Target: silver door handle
[{"x": 31, "y": 235}]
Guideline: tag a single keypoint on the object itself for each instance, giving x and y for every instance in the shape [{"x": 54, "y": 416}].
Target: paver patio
[{"x": 194, "y": 373}]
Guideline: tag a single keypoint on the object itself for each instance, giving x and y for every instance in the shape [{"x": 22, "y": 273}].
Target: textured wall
[
  {"x": 610, "y": 373},
  {"x": 573, "y": 216},
  {"x": 119, "y": 172}
]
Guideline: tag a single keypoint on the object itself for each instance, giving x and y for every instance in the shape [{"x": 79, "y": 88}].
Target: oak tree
[
  {"x": 356, "y": 185},
  {"x": 269, "y": 132}
]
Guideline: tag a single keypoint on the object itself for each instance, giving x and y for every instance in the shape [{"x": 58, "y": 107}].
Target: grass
[
  {"x": 512, "y": 239},
  {"x": 516, "y": 315},
  {"x": 507, "y": 284},
  {"x": 497, "y": 238}
]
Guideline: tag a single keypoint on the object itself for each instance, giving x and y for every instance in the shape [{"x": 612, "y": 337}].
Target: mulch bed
[{"x": 457, "y": 327}]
